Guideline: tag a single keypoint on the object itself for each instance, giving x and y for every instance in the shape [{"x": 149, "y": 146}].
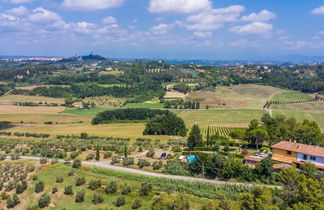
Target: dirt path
[{"x": 107, "y": 165}]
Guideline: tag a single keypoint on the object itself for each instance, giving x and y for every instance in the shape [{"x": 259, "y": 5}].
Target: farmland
[
  {"x": 238, "y": 96},
  {"x": 288, "y": 96},
  {"x": 48, "y": 174}
]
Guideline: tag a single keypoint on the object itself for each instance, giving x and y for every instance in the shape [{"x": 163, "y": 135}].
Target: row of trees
[{"x": 279, "y": 128}]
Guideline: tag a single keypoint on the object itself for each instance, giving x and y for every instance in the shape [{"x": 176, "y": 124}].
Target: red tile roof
[
  {"x": 300, "y": 148},
  {"x": 281, "y": 166},
  {"x": 252, "y": 158}
]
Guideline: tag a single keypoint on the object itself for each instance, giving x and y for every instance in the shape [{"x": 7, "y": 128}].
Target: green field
[
  {"x": 290, "y": 96},
  {"x": 303, "y": 115},
  {"x": 85, "y": 112},
  {"x": 144, "y": 105},
  {"x": 59, "y": 200},
  {"x": 225, "y": 116},
  {"x": 309, "y": 106}
]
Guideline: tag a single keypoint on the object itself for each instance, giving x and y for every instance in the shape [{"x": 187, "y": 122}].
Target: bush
[
  {"x": 59, "y": 179},
  {"x": 150, "y": 153},
  {"x": 21, "y": 187},
  {"x": 12, "y": 202},
  {"x": 137, "y": 204},
  {"x": 107, "y": 155},
  {"x": 176, "y": 168},
  {"x": 80, "y": 181},
  {"x": 76, "y": 163},
  {"x": 111, "y": 188},
  {"x": 115, "y": 159},
  {"x": 128, "y": 161},
  {"x": 79, "y": 198},
  {"x": 157, "y": 165},
  {"x": 68, "y": 190},
  {"x": 143, "y": 163},
  {"x": 97, "y": 199},
  {"x": 73, "y": 155},
  {"x": 39, "y": 187},
  {"x": 90, "y": 156},
  {"x": 71, "y": 173},
  {"x": 120, "y": 201},
  {"x": 176, "y": 149},
  {"x": 126, "y": 189},
  {"x": 44, "y": 201},
  {"x": 94, "y": 184},
  {"x": 43, "y": 161},
  {"x": 54, "y": 190},
  {"x": 145, "y": 190}
]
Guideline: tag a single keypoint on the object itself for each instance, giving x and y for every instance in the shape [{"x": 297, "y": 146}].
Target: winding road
[{"x": 107, "y": 165}]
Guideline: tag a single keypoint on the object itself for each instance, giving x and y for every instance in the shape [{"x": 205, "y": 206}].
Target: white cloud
[
  {"x": 179, "y": 6},
  {"x": 202, "y": 34},
  {"x": 90, "y": 5},
  {"x": 161, "y": 29},
  {"x": 20, "y": 1},
  {"x": 318, "y": 11},
  {"x": 41, "y": 15},
  {"x": 109, "y": 20},
  {"x": 19, "y": 11},
  {"x": 253, "y": 28},
  {"x": 84, "y": 27},
  {"x": 263, "y": 15},
  {"x": 214, "y": 19}
]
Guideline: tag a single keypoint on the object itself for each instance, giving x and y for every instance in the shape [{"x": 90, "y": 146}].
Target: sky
[{"x": 169, "y": 29}]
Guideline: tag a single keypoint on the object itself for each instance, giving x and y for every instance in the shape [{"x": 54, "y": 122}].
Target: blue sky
[{"x": 195, "y": 29}]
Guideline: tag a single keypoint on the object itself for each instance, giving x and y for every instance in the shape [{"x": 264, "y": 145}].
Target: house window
[
  {"x": 288, "y": 152},
  {"x": 313, "y": 158},
  {"x": 305, "y": 157}
]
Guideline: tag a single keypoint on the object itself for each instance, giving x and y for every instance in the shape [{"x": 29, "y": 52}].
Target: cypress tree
[
  {"x": 195, "y": 138},
  {"x": 207, "y": 143},
  {"x": 97, "y": 153}
]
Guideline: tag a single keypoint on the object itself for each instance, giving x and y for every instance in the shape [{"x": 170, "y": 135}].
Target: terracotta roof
[
  {"x": 281, "y": 166},
  {"x": 300, "y": 148},
  {"x": 252, "y": 158}
]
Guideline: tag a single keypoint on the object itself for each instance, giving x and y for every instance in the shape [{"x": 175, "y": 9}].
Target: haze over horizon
[{"x": 167, "y": 29}]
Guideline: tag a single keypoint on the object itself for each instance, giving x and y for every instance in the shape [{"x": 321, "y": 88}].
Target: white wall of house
[{"x": 318, "y": 160}]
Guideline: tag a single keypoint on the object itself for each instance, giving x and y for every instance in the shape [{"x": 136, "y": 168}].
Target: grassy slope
[
  {"x": 59, "y": 200},
  {"x": 35, "y": 99},
  {"x": 144, "y": 105},
  {"x": 290, "y": 95},
  {"x": 246, "y": 96}
]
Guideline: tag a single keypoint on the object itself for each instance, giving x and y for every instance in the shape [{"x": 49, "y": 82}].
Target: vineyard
[
  {"x": 291, "y": 97},
  {"x": 222, "y": 131}
]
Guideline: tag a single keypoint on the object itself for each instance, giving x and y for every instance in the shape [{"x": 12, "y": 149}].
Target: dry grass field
[
  {"x": 35, "y": 99},
  {"x": 174, "y": 94},
  {"x": 315, "y": 107},
  {"x": 10, "y": 109},
  {"x": 237, "y": 96}
]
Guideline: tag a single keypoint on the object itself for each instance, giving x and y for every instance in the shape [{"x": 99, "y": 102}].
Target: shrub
[
  {"x": 71, "y": 173},
  {"x": 145, "y": 190},
  {"x": 30, "y": 168},
  {"x": 80, "y": 181},
  {"x": 150, "y": 153},
  {"x": 143, "y": 163},
  {"x": 176, "y": 149},
  {"x": 120, "y": 201},
  {"x": 68, "y": 190},
  {"x": 97, "y": 199},
  {"x": 59, "y": 179},
  {"x": 126, "y": 189},
  {"x": 79, "y": 198},
  {"x": 137, "y": 204},
  {"x": 107, "y": 155},
  {"x": 39, "y": 187},
  {"x": 73, "y": 155},
  {"x": 44, "y": 201},
  {"x": 54, "y": 190},
  {"x": 157, "y": 165},
  {"x": 128, "y": 161},
  {"x": 43, "y": 160},
  {"x": 76, "y": 163},
  {"x": 111, "y": 188},
  {"x": 21, "y": 187},
  {"x": 12, "y": 202},
  {"x": 90, "y": 156},
  {"x": 176, "y": 168},
  {"x": 115, "y": 159},
  {"x": 94, "y": 184}
]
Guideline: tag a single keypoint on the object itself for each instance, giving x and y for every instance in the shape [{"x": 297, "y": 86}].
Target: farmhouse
[
  {"x": 251, "y": 161},
  {"x": 292, "y": 152}
]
